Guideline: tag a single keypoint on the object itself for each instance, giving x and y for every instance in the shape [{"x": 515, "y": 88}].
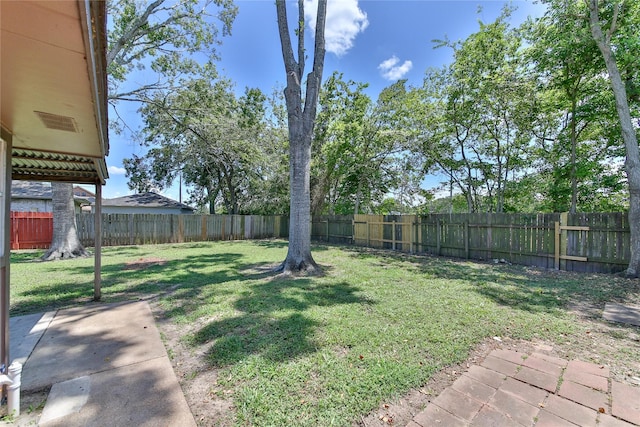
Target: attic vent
[{"x": 54, "y": 121}]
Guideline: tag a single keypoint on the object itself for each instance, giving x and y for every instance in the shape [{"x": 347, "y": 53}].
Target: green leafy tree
[
  {"x": 212, "y": 139},
  {"x": 475, "y": 126},
  {"x": 359, "y": 147},
  {"x": 159, "y": 36},
  {"x": 573, "y": 113}
]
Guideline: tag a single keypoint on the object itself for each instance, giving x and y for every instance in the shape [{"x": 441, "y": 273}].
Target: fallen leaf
[
  {"x": 385, "y": 406},
  {"x": 361, "y": 357},
  {"x": 601, "y": 410}
]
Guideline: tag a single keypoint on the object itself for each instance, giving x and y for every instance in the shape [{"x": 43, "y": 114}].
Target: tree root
[
  {"x": 305, "y": 267},
  {"x": 54, "y": 254}
]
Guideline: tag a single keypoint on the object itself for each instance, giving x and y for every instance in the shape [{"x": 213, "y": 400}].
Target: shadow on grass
[
  {"x": 520, "y": 287},
  {"x": 273, "y": 322},
  {"x": 184, "y": 277}
]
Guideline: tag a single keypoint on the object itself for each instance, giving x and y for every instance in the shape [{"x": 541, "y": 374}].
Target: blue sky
[{"x": 370, "y": 41}]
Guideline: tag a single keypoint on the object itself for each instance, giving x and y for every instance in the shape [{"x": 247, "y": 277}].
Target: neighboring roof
[
  {"x": 31, "y": 190},
  {"x": 80, "y": 191},
  {"x": 149, "y": 200},
  {"x": 39, "y": 191},
  {"x": 54, "y": 89}
]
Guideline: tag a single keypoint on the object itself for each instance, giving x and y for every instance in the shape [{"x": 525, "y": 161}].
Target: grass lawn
[{"x": 321, "y": 350}]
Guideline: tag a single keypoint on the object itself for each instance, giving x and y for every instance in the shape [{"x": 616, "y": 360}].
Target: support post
[
  {"x": 5, "y": 247},
  {"x": 97, "y": 279}
]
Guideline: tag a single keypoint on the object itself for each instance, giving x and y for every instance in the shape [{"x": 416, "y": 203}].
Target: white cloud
[
  {"x": 392, "y": 71},
  {"x": 115, "y": 170},
  {"x": 345, "y": 20}
]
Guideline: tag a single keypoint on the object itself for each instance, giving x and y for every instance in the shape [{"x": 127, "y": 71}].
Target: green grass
[{"x": 320, "y": 350}]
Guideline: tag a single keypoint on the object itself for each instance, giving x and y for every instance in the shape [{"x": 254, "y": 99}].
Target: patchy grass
[{"x": 322, "y": 350}]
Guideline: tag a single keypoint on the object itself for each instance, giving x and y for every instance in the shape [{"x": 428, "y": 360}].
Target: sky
[{"x": 369, "y": 41}]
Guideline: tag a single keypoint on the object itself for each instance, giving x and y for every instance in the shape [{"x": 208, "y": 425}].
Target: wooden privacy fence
[
  {"x": 141, "y": 229},
  {"x": 589, "y": 242},
  {"x": 31, "y": 230}
]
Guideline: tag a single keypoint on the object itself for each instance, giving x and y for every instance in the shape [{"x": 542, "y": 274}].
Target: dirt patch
[
  {"x": 209, "y": 404},
  {"x": 144, "y": 263}
]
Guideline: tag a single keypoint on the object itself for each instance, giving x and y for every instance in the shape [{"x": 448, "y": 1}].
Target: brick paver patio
[{"x": 510, "y": 388}]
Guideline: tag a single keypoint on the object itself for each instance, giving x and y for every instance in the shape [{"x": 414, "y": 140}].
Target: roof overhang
[{"x": 54, "y": 89}]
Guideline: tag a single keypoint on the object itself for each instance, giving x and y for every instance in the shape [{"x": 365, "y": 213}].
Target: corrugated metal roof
[{"x": 46, "y": 166}]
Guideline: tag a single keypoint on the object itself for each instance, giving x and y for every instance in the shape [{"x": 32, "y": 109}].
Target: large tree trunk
[
  {"x": 65, "y": 242},
  {"x": 301, "y": 117},
  {"x": 299, "y": 256},
  {"x": 632, "y": 163}
]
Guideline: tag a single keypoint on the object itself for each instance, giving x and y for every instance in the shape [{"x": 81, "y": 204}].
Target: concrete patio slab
[
  {"x": 106, "y": 365},
  {"x": 26, "y": 331},
  {"x": 87, "y": 340},
  {"x": 135, "y": 395}
]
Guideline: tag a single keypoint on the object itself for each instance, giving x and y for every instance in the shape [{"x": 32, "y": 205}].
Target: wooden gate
[{"x": 31, "y": 230}]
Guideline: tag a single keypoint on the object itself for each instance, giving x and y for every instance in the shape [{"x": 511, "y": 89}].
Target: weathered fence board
[
  {"x": 528, "y": 239},
  {"x": 143, "y": 229},
  {"x": 31, "y": 230}
]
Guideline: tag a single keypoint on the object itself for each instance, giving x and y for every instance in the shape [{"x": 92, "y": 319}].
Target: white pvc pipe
[{"x": 13, "y": 389}]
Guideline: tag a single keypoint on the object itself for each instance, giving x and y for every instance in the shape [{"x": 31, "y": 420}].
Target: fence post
[
  {"x": 466, "y": 238},
  {"x": 556, "y": 249},
  {"x": 564, "y": 220},
  {"x": 420, "y": 246},
  {"x": 327, "y": 233},
  {"x": 438, "y": 236},
  {"x": 353, "y": 230},
  {"x": 412, "y": 234},
  {"x": 131, "y": 233},
  {"x": 180, "y": 229},
  {"x": 393, "y": 235},
  {"x": 368, "y": 233},
  {"x": 203, "y": 228},
  {"x": 489, "y": 232}
]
